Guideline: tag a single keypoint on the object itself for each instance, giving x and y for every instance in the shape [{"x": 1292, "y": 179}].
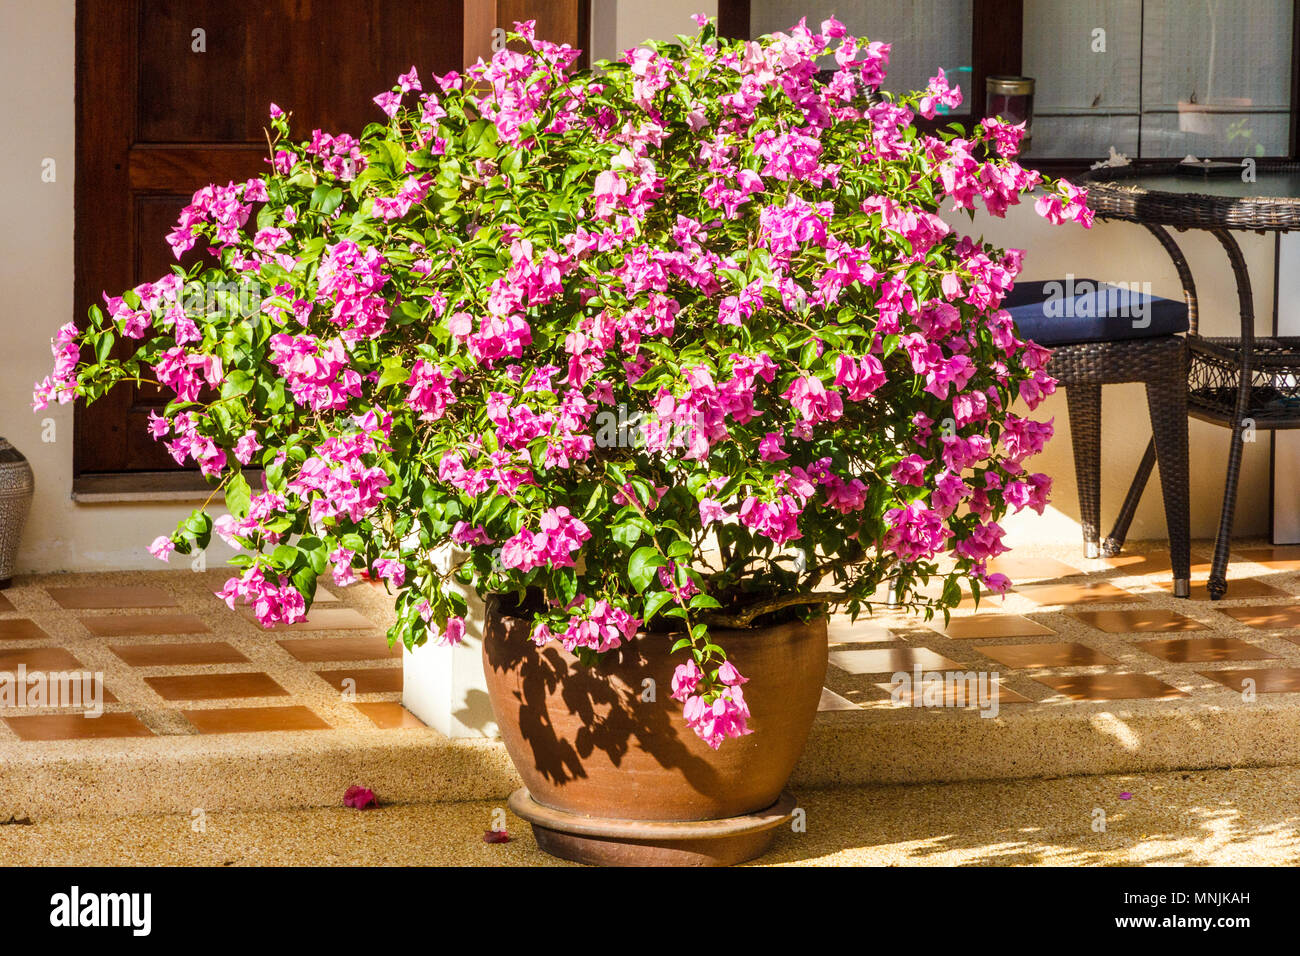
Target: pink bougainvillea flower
[
  {"x": 162, "y": 547},
  {"x": 360, "y": 798},
  {"x": 496, "y": 836}
]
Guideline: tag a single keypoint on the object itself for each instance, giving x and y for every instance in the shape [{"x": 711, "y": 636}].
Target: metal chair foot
[
  {"x": 1091, "y": 549},
  {"x": 1182, "y": 587}
]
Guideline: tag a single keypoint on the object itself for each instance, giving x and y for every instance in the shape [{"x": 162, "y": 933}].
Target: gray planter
[{"x": 16, "y": 489}]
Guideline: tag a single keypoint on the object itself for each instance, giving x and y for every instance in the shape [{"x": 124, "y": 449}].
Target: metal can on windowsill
[{"x": 1011, "y": 98}]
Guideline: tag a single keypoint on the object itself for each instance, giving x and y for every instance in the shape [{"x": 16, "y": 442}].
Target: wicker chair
[
  {"x": 1104, "y": 346},
  {"x": 1243, "y": 382}
]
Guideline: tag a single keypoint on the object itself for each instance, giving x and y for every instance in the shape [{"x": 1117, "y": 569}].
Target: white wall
[
  {"x": 618, "y": 25},
  {"x": 36, "y": 106}
]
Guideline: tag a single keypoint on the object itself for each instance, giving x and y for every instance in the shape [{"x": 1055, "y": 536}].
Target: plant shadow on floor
[{"x": 1178, "y": 818}]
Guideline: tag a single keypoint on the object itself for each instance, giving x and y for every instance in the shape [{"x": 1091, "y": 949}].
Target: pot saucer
[{"x": 599, "y": 841}]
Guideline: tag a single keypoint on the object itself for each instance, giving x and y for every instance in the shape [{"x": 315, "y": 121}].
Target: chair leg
[
  {"x": 1218, "y": 583},
  {"x": 1167, "y": 401},
  {"x": 1084, "y": 402},
  {"x": 1114, "y": 542}
]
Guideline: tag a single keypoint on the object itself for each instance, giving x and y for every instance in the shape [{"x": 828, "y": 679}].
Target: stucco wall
[{"x": 36, "y": 102}]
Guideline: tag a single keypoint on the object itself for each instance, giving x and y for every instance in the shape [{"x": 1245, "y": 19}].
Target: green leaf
[
  {"x": 238, "y": 495},
  {"x": 393, "y": 375},
  {"x": 627, "y": 534},
  {"x": 237, "y": 383},
  {"x": 642, "y": 567},
  {"x": 304, "y": 579},
  {"x": 333, "y": 199},
  {"x": 104, "y": 346},
  {"x": 653, "y": 602}
]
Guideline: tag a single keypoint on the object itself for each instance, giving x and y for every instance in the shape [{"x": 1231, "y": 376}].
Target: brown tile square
[
  {"x": 324, "y": 597},
  {"x": 215, "y": 686},
  {"x": 248, "y": 720},
  {"x": 1245, "y": 588},
  {"x": 1109, "y": 686},
  {"x": 20, "y": 629},
  {"x": 989, "y": 600},
  {"x": 1284, "y": 558},
  {"x": 1079, "y": 592},
  {"x": 1201, "y": 650},
  {"x": 1268, "y": 680},
  {"x": 1045, "y": 655},
  {"x": 135, "y": 625},
  {"x": 992, "y": 625},
  {"x": 38, "y": 659},
  {"x": 6, "y": 604},
  {"x": 388, "y": 715},
  {"x": 1143, "y": 621},
  {"x": 328, "y": 619},
  {"x": 1026, "y": 568},
  {"x": 841, "y": 630},
  {"x": 907, "y": 695},
  {"x": 367, "y": 680},
  {"x": 77, "y": 727},
  {"x": 99, "y": 597},
  {"x": 1268, "y": 617},
  {"x": 1156, "y": 563},
  {"x": 889, "y": 660},
  {"x": 832, "y": 701},
  {"x": 370, "y": 647},
  {"x": 1141, "y": 563},
  {"x": 68, "y": 687},
  {"x": 190, "y": 652}
]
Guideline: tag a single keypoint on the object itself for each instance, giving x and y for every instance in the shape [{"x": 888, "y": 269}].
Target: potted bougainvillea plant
[{"x": 665, "y": 358}]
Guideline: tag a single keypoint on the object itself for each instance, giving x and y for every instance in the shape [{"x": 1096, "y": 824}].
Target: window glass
[
  {"x": 1159, "y": 78},
  {"x": 926, "y": 34}
]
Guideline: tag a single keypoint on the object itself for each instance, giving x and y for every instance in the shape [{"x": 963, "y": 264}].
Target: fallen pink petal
[{"x": 360, "y": 798}]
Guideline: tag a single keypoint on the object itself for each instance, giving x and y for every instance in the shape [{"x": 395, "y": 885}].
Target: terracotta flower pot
[{"x": 612, "y": 772}]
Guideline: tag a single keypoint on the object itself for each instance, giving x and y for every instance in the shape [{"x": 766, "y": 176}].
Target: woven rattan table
[{"x": 1247, "y": 382}]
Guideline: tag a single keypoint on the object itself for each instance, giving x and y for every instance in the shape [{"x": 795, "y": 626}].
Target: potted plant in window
[{"x": 669, "y": 356}]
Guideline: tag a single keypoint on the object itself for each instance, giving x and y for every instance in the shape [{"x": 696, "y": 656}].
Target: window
[
  {"x": 1160, "y": 78},
  {"x": 1154, "y": 79}
]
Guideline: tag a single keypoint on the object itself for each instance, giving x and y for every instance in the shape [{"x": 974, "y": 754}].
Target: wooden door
[{"x": 173, "y": 95}]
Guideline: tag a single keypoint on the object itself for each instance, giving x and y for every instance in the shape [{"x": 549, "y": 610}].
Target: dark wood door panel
[
  {"x": 560, "y": 21},
  {"x": 321, "y": 59},
  {"x": 156, "y": 120},
  {"x": 182, "y": 169}
]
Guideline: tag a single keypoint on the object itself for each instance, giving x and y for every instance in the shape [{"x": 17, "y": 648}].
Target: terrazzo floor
[
  {"x": 1098, "y": 669},
  {"x": 1079, "y": 631},
  {"x": 1220, "y": 818},
  {"x": 175, "y": 660},
  {"x": 172, "y": 659}
]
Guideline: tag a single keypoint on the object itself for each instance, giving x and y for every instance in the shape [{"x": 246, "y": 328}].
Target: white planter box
[{"x": 445, "y": 687}]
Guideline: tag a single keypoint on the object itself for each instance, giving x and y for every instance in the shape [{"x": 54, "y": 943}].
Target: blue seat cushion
[{"x": 1069, "y": 311}]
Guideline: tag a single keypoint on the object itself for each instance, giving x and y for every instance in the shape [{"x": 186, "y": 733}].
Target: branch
[{"x": 742, "y": 619}]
